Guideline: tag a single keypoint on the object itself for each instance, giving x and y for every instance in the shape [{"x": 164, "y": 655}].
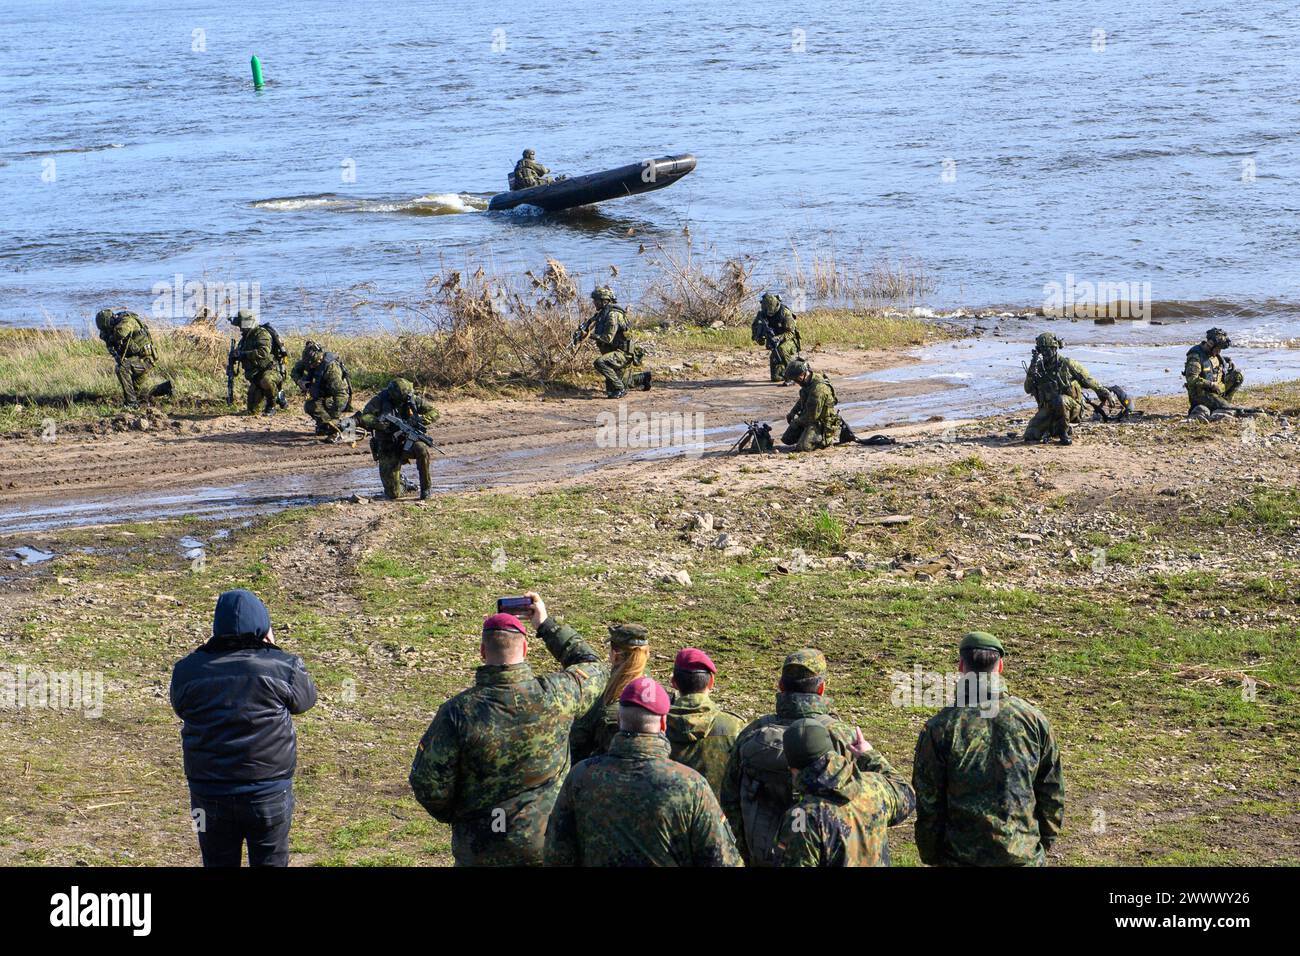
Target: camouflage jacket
[
  {"x": 756, "y": 788},
  {"x": 593, "y": 731},
  {"x": 843, "y": 814},
  {"x": 385, "y": 438},
  {"x": 816, "y": 406},
  {"x": 128, "y": 337},
  {"x": 493, "y": 758},
  {"x": 989, "y": 789},
  {"x": 1204, "y": 370},
  {"x": 256, "y": 352},
  {"x": 781, "y": 322},
  {"x": 325, "y": 381},
  {"x": 635, "y": 806},
  {"x": 528, "y": 172},
  {"x": 611, "y": 330},
  {"x": 1067, "y": 378},
  {"x": 702, "y": 736}
]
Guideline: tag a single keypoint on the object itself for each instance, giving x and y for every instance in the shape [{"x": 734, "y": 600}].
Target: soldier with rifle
[
  {"x": 1211, "y": 377},
  {"x": 396, "y": 420},
  {"x": 774, "y": 328},
  {"x": 619, "y": 355},
  {"x": 129, "y": 342},
  {"x": 324, "y": 379},
  {"x": 1057, "y": 384},
  {"x": 261, "y": 353}
]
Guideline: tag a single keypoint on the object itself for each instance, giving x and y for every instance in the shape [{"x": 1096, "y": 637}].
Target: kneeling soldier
[
  {"x": 814, "y": 421},
  {"x": 1211, "y": 377},
  {"x": 323, "y": 378},
  {"x": 389, "y": 447}
]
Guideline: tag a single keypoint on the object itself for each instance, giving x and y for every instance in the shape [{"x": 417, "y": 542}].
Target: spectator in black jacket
[{"x": 235, "y": 695}]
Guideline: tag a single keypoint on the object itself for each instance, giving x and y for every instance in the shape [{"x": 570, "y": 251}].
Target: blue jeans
[{"x": 224, "y": 824}]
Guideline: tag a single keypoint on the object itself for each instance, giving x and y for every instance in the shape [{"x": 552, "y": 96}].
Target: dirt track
[{"x": 485, "y": 443}]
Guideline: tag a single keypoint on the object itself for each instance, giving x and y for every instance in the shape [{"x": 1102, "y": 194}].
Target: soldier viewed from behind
[
  {"x": 1057, "y": 384},
  {"x": 757, "y": 789},
  {"x": 528, "y": 172},
  {"x": 619, "y": 355},
  {"x": 636, "y": 806},
  {"x": 814, "y": 422},
  {"x": 987, "y": 773},
  {"x": 261, "y": 355},
  {"x": 774, "y": 328},
  {"x": 322, "y": 377},
  {"x": 1211, "y": 377},
  {"x": 629, "y": 652},
  {"x": 844, "y": 811},
  {"x": 493, "y": 759},
  {"x": 701, "y": 734},
  {"x": 389, "y": 445},
  {"x": 129, "y": 342}
]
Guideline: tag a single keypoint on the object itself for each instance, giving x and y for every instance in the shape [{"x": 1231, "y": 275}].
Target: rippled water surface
[{"x": 1120, "y": 142}]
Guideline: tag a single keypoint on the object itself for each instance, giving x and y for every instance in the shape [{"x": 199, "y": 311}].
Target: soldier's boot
[
  {"x": 281, "y": 400},
  {"x": 846, "y": 434},
  {"x": 1067, "y": 436},
  {"x": 426, "y": 483},
  {"x": 391, "y": 478},
  {"x": 775, "y": 366},
  {"x": 643, "y": 381},
  {"x": 162, "y": 390}
]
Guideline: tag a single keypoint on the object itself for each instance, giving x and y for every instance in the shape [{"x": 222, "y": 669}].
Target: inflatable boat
[{"x": 642, "y": 177}]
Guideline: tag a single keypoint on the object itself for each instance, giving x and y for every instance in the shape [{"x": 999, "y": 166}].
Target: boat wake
[{"x": 433, "y": 204}]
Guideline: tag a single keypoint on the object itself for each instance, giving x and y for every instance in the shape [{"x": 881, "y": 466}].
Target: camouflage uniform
[
  {"x": 256, "y": 353},
  {"x": 323, "y": 378},
  {"x": 783, "y": 343},
  {"x": 528, "y": 172},
  {"x": 129, "y": 342},
  {"x": 387, "y": 445},
  {"x": 492, "y": 760},
  {"x": 844, "y": 813},
  {"x": 1057, "y": 384},
  {"x": 989, "y": 789},
  {"x": 702, "y": 736},
  {"x": 1211, "y": 379},
  {"x": 814, "y": 422},
  {"x": 619, "y": 355},
  {"x": 636, "y": 806},
  {"x": 596, "y": 728},
  {"x": 756, "y": 789}
]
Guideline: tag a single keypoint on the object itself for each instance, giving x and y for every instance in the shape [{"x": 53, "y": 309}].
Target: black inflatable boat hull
[{"x": 597, "y": 187}]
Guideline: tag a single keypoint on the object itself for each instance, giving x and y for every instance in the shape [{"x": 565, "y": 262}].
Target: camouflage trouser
[
  {"x": 813, "y": 437},
  {"x": 1053, "y": 418},
  {"x": 390, "y": 468},
  {"x": 325, "y": 412},
  {"x": 617, "y": 368},
  {"x": 130, "y": 375},
  {"x": 263, "y": 388},
  {"x": 1199, "y": 394},
  {"x": 779, "y": 357}
]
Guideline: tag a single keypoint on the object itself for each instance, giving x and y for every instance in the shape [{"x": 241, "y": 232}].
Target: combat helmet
[
  {"x": 103, "y": 319},
  {"x": 244, "y": 319},
  {"x": 312, "y": 352},
  {"x": 1048, "y": 341},
  {"x": 770, "y": 303},
  {"x": 529, "y": 154},
  {"x": 603, "y": 295},
  {"x": 1217, "y": 336},
  {"x": 796, "y": 367},
  {"x": 401, "y": 388}
]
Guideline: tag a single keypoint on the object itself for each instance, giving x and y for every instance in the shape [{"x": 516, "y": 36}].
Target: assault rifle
[
  {"x": 232, "y": 357},
  {"x": 757, "y": 438},
  {"x": 582, "y": 333},
  {"x": 412, "y": 431}
]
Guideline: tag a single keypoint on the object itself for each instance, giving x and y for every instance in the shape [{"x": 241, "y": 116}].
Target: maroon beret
[
  {"x": 503, "y": 622},
  {"x": 693, "y": 659},
  {"x": 645, "y": 692}
]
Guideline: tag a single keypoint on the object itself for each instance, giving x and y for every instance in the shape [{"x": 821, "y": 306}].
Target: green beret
[
  {"x": 804, "y": 663},
  {"x": 628, "y": 635},
  {"x": 805, "y": 741},
  {"x": 982, "y": 640}
]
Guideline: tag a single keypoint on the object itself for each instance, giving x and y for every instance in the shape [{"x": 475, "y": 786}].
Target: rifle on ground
[
  {"x": 232, "y": 357},
  {"x": 412, "y": 431},
  {"x": 757, "y": 438}
]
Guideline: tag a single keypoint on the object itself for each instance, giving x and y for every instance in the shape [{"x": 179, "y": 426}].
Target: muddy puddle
[{"x": 967, "y": 378}]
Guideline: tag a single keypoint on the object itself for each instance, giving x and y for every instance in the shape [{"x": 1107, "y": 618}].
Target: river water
[{"x": 1003, "y": 146}]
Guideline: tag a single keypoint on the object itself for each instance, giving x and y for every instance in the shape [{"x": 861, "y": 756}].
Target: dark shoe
[
  {"x": 268, "y": 413},
  {"x": 425, "y": 494},
  {"x": 618, "y": 394},
  {"x": 281, "y": 400},
  {"x": 645, "y": 381}
]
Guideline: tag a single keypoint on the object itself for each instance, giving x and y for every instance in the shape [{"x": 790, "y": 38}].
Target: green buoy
[{"x": 257, "y": 73}]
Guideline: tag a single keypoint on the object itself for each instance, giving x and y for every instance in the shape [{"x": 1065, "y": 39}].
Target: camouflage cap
[
  {"x": 1047, "y": 340},
  {"x": 806, "y": 662},
  {"x": 982, "y": 641},
  {"x": 804, "y": 741},
  {"x": 795, "y": 368},
  {"x": 628, "y": 635}
]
